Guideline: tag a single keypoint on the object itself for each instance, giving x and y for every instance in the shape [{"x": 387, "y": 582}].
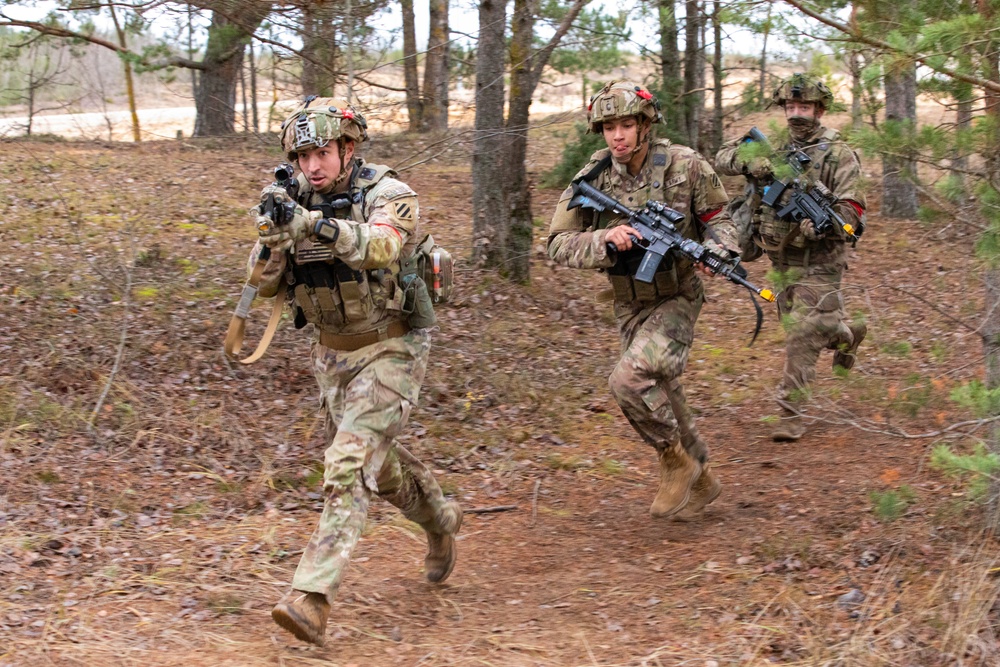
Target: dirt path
[{"x": 166, "y": 539}]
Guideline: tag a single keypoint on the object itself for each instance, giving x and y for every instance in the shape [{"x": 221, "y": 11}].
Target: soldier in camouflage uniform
[
  {"x": 812, "y": 307},
  {"x": 655, "y": 321},
  {"x": 351, "y": 226}
]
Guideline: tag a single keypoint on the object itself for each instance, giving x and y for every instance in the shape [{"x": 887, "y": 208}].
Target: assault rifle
[
  {"x": 658, "y": 226},
  {"x": 813, "y": 201}
]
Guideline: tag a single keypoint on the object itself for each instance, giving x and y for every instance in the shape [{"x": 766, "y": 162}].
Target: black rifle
[
  {"x": 813, "y": 201},
  {"x": 658, "y": 226},
  {"x": 281, "y": 212}
]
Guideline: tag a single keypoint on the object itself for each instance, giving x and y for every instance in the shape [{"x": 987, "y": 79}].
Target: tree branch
[
  {"x": 542, "y": 56},
  {"x": 56, "y": 31},
  {"x": 856, "y": 35}
]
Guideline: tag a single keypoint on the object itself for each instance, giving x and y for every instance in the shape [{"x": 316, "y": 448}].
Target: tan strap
[
  {"x": 353, "y": 342},
  {"x": 238, "y": 324}
]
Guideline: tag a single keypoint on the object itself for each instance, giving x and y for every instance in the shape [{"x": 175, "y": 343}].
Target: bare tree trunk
[
  {"x": 215, "y": 103},
  {"x": 516, "y": 184},
  {"x": 253, "y": 88},
  {"x": 190, "y": 51},
  {"x": 129, "y": 85},
  {"x": 854, "y": 63},
  {"x": 991, "y": 352},
  {"x": 243, "y": 96},
  {"x": 349, "y": 33},
  {"x": 991, "y": 276},
  {"x": 899, "y": 191},
  {"x": 436, "y": 68},
  {"x": 488, "y": 230},
  {"x": 963, "y": 122},
  {"x": 414, "y": 105},
  {"x": 692, "y": 60},
  {"x": 762, "y": 83},
  {"x": 670, "y": 70},
  {"x": 717, "y": 77},
  {"x": 319, "y": 43}
]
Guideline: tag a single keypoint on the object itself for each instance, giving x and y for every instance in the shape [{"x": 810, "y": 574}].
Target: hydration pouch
[{"x": 435, "y": 265}]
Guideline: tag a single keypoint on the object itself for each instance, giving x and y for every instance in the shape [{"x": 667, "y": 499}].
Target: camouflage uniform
[
  {"x": 367, "y": 361},
  {"x": 655, "y": 321},
  {"x": 812, "y": 306}
]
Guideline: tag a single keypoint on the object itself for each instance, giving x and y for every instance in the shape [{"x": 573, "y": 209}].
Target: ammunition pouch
[
  {"x": 665, "y": 283},
  {"x": 417, "y": 304},
  {"x": 328, "y": 292}
]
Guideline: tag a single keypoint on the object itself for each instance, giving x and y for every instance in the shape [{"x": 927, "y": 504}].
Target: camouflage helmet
[
  {"x": 319, "y": 121},
  {"x": 621, "y": 99},
  {"x": 805, "y": 88}
]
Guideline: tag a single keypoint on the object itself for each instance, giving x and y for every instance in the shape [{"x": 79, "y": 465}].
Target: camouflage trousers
[
  {"x": 812, "y": 313},
  {"x": 367, "y": 396},
  {"x": 656, "y": 339}
]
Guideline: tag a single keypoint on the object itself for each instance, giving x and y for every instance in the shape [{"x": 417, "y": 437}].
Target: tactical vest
[
  {"x": 774, "y": 233},
  {"x": 329, "y": 293},
  {"x": 673, "y": 273}
]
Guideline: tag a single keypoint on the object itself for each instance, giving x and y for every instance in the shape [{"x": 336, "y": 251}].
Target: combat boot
[
  {"x": 441, "y": 552},
  {"x": 304, "y": 615},
  {"x": 791, "y": 427},
  {"x": 845, "y": 355},
  {"x": 678, "y": 473},
  {"x": 705, "y": 490}
]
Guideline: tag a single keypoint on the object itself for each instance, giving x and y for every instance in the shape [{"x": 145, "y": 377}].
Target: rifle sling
[{"x": 237, "y": 325}]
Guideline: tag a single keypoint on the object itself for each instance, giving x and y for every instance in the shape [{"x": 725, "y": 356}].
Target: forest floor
[{"x": 164, "y": 535}]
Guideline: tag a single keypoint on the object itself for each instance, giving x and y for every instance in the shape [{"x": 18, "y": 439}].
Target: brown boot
[
  {"x": 441, "y": 552},
  {"x": 705, "y": 490},
  {"x": 678, "y": 473},
  {"x": 304, "y": 615},
  {"x": 791, "y": 427},
  {"x": 845, "y": 355}
]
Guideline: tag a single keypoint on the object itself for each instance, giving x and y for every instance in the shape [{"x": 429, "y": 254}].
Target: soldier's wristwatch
[{"x": 326, "y": 230}]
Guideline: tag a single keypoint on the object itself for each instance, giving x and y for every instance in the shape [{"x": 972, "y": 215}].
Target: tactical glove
[
  {"x": 283, "y": 236},
  {"x": 808, "y": 230},
  {"x": 758, "y": 167}
]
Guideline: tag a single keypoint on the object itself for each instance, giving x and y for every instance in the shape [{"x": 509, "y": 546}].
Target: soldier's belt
[{"x": 352, "y": 342}]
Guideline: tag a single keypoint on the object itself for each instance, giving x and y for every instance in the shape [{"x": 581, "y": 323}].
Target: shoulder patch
[
  {"x": 716, "y": 181},
  {"x": 676, "y": 180},
  {"x": 367, "y": 173},
  {"x": 403, "y": 210},
  {"x": 659, "y": 159}
]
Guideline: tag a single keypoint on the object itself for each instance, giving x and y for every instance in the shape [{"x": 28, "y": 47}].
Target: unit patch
[{"x": 404, "y": 211}]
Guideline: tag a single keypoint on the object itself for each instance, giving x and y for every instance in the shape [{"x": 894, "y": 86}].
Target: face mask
[{"x": 801, "y": 127}]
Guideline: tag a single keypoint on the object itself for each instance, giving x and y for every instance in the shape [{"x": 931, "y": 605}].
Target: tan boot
[
  {"x": 791, "y": 427},
  {"x": 845, "y": 356},
  {"x": 678, "y": 473},
  {"x": 304, "y": 615},
  {"x": 441, "y": 552},
  {"x": 705, "y": 490}
]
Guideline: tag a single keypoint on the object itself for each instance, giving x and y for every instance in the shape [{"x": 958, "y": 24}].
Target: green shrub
[{"x": 576, "y": 154}]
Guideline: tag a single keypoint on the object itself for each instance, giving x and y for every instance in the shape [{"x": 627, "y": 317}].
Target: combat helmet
[
  {"x": 621, "y": 99},
  {"x": 319, "y": 121},
  {"x": 805, "y": 88}
]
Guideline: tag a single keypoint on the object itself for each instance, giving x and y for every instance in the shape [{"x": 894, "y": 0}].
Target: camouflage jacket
[
  {"x": 834, "y": 164},
  {"x": 675, "y": 175},
  {"x": 350, "y": 286}
]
